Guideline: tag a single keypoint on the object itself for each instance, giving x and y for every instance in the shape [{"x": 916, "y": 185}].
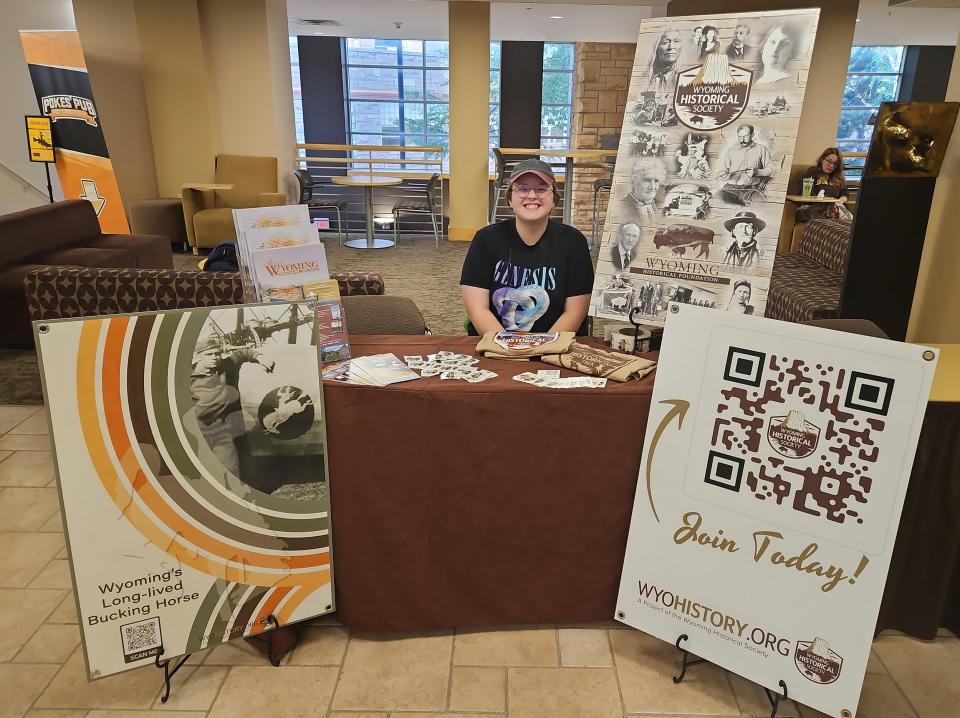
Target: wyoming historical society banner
[
  {"x": 190, "y": 450},
  {"x": 775, "y": 465},
  {"x": 702, "y": 168}
]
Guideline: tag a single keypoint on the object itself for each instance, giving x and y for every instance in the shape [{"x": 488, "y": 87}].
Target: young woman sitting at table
[
  {"x": 528, "y": 273},
  {"x": 827, "y": 178}
]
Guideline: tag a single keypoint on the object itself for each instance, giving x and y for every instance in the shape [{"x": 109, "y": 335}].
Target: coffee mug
[{"x": 625, "y": 341}]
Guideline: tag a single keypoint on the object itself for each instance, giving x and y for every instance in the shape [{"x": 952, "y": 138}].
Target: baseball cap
[{"x": 538, "y": 167}]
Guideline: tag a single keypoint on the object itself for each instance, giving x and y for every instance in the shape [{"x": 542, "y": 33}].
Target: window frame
[{"x": 849, "y": 144}]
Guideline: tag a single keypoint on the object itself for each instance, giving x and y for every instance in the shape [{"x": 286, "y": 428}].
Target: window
[
  {"x": 297, "y": 98},
  {"x": 555, "y": 117},
  {"x": 494, "y": 140},
  {"x": 398, "y": 92},
  {"x": 873, "y": 77}
]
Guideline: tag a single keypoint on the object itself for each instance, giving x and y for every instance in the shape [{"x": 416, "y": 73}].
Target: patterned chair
[
  {"x": 806, "y": 285},
  {"x": 60, "y": 292}
]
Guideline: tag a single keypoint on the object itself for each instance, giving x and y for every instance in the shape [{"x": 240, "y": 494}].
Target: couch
[
  {"x": 208, "y": 214},
  {"x": 806, "y": 285},
  {"x": 62, "y": 234},
  {"x": 60, "y": 292}
]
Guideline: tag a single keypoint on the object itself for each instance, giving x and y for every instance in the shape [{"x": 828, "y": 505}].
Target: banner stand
[{"x": 685, "y": 663}]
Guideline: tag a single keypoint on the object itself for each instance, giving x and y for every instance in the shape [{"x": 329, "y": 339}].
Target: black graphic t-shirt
[{"x": 528, "y": 285}]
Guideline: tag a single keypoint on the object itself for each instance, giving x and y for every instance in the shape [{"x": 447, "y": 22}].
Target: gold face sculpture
[{"x": 910, "y": 139}]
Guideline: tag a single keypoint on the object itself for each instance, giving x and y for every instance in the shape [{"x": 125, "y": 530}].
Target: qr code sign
[
  {"x": 763, "y": 423},
  {"x": 798, "y": 434},
  {"x": 141, "y": 639}
]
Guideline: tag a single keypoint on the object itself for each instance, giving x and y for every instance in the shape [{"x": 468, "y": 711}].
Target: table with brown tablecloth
[{"x": 457, "y": 504}]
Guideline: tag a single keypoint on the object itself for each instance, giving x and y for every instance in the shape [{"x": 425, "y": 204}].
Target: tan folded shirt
[
  {"x": 497, "y": 345},
  {"x": 597, "y": 362}
]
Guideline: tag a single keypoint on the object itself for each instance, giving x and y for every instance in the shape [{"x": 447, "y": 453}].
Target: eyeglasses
[
  {"x": 828, "y": 161},
  {"x": 523, "y": 190}
]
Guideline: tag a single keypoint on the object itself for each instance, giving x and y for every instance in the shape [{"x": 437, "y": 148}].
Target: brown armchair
[{"x": 208, "y": 213}]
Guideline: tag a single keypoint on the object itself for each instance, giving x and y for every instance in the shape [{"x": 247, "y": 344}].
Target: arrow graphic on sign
[
  {"x": 679, "y": 409},
  {"x": 92, "y": 196}
]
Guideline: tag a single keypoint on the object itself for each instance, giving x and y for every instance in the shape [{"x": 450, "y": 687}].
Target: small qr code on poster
[
  {"x": 803, "y": 436},
  {"x": 141, "y": 639}
]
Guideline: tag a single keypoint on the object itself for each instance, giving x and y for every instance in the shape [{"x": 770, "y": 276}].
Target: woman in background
[{"x": 828, "y": 181}]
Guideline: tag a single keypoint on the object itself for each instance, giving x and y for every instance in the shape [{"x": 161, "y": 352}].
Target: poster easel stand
[
  {"x": 267, "y": 637},
  {"x": 168, "y": 672},
  {"x": 686, "y": 662}
]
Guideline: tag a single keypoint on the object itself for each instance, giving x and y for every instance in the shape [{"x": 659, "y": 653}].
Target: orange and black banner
[{"x": 60, "y": 80}]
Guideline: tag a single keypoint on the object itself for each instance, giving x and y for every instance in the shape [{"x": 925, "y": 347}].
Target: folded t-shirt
[
  {"x": 512, "y": 345},
  {"x": 597, "y": 362}
]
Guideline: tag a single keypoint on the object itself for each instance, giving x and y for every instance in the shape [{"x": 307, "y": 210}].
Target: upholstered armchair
[{"x": 208, "y": 213}]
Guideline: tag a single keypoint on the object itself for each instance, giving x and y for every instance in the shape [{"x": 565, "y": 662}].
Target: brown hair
[{"x": 835, "y": 177}]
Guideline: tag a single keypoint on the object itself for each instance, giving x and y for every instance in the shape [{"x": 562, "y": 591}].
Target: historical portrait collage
[{"x": 703, "y": 163}]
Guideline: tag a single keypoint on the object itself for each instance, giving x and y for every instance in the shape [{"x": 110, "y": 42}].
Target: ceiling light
[
  {"x": 319, "y": 33},
  {"x": 556, "y": 17}
]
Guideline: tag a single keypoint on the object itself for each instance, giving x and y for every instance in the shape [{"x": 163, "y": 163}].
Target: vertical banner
[
  {"x": 775, "y": 466},
  {"x": 702, "y": 168},
  {"x": 191, "y": 460},
  {"x": 62, "y": 85}
]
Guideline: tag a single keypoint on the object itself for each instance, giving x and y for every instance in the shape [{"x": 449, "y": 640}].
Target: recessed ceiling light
[
  {"x": 319, "y": 33},
  {"x": 556, "y": 17}
]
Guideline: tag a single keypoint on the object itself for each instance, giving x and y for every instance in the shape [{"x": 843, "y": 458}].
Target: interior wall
[
  {"x": 23, "y": 183},
  {"x": 278, "y": 52},
  {"x": 521, "y": 100},
  {"x": 108, "y": 35},
  {"x": 469, "y": 117},
  {"x": 179, "y": 93},
  {"x": 937, "y": 296}
]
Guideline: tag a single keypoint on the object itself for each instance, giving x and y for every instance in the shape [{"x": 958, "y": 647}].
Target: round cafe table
[{"x": 368, "y": 183}]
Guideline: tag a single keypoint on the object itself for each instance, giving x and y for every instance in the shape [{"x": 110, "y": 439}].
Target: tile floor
[{"x": 540, "y": 672}]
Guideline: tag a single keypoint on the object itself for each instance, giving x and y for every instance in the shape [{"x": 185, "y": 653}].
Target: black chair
[
  {"x": 306, "y": 185},
  {"x": 505, "y": 165},
  {"x": 431, "y": 205},
  {"x": 601, "y": 185}
]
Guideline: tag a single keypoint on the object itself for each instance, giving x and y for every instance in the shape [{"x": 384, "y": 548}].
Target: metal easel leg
[
  {"x": 168, "y": 672},
  {"x": 685, "y": 662}
]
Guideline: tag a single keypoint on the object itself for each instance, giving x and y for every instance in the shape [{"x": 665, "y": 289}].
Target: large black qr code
[
  {"x": 141, "y": 636},
  {"x": 800, "y": 435}
]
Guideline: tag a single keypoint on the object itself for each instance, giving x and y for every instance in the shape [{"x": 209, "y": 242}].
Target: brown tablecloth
[
  {"x": 923, "y": 586},
  {"x": 499, "y": 503},
  {"x": 464, "y": 505}
]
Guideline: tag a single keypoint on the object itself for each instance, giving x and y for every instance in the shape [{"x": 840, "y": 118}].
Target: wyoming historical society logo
[
  {"x": 817, "y": 662},
  {"x": 712, "y": 95},
  {"x": 792, "y": 435}
]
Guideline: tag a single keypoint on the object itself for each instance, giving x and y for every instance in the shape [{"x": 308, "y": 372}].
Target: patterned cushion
[
  {"x": 801, "y": 290},
  {"x": 59, "y": 292},
  {"x": 826, "y": 241}
]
